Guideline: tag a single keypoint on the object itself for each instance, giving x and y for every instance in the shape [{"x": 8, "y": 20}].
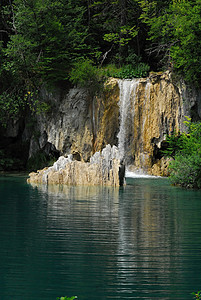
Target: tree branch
[
  {"x": 4, "y": 31},
  {"x": 39, "y": 55},
  {"x": 105, "y": 55},
  {"x": 14, "y": 27}
]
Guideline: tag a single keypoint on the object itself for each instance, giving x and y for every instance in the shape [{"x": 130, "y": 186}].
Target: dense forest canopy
[{"x": 42, "y": 40}]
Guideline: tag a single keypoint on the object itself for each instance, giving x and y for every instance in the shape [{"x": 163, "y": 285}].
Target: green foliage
[
  {"x": 185, "y": 169},
  {"x": 175, "y": 32},
  {"x": 126, "y": 34},
  {"x": 197, "y": 295},
  {"x": 85, "y": 74},
  {"x": 175, "y": 144},
  {"x": 67, "y": 298},
  {"x": 39, "y": 160},
  {"x": 128, "y": 71},
  {"x": 46, "y": 40},
  {"x": 117, "y": 28},
  {"x": 14, "y": 103}
]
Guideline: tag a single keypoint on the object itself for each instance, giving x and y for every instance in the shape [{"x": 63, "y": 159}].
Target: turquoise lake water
[{"x": 142, "y": 241}]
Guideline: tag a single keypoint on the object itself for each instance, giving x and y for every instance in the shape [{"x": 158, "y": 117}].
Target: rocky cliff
[
  {"x": 154, "y": 108},
  {"x": 135, "y": 115}
]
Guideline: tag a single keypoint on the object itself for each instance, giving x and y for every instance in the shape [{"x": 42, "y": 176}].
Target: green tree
[
  {"x": 120, "y": 29},
  {"x": 175, "y": 31},
  {"x": 48, "y": 36},
  {"x": 44, "y": 38}
]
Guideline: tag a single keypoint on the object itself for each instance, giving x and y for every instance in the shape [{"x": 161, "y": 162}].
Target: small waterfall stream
[{"x": 128, "y": 90}]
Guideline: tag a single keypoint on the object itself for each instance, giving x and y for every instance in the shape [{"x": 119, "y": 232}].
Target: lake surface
[{"x": 142, "y": 241}]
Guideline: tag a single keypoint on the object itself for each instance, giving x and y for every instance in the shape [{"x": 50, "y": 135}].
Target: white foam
[{"x": 130, "y": 174}]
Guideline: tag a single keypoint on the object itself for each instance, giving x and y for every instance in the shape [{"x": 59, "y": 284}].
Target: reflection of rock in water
[
  {"x": 70, "y": 206},
  {"x": 76, "y": 192},
  {"x": 103, "y": 169},
  {"x": 144, "y": 248}
]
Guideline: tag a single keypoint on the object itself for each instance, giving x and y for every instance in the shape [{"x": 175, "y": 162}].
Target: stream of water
[
  {"x": 128, "y": 89},
  {"x": 141, "y": 241}
]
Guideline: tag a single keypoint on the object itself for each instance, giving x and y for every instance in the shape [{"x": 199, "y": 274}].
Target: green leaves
[
  {"x": 125, "y": 34},
  {"x": 129, "y": 71},
  {"x": 46, "y": 40},
  {"x": 197, "y": 295},
  {"x": 85, "y": 74},
  {"x": 186, "y": 171},
  {"x": 175, "y": 31},
  {"x": 186, "y": 150}
]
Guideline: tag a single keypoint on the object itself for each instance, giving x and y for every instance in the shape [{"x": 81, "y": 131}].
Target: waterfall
[
  {"x": 129, "y": 94},
  {"x": 128, "y": 90}
]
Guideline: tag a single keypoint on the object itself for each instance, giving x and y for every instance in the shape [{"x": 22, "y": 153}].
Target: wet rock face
[
  {"x": 135, "y": 115},
  {"x": 158, "y": 112},
  {"x": 150, "y": 109},
  {"x": 103, "y": 169},
  {"x": 68, "y": 127},
  {"x": 107, "y": 116},
  {"x": 78, "y": 124}
]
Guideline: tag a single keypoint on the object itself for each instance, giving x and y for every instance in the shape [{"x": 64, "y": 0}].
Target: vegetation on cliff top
[{"x": 41, "y": 41}]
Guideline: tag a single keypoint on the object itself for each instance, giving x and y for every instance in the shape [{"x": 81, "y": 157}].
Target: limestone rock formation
[
  {"x": 103, "y": 169},
  {"x": 150, "y": 109},
  {"x": 135, "y": 115}
]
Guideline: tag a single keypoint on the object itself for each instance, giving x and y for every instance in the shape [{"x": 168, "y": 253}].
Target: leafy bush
[
  {"x": 15, "y": 102},
  {"x": 185, "y": 169},
  {"x": 174, "y": 144},
  {"x": 129, "y": 71},
  {"x": 83, "y": 72},
  {"x": 86, "y": 74}
]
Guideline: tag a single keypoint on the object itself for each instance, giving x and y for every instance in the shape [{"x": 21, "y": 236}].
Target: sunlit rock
[
  {"x": 135, "y": 115},
  {"x": 104, "y": 169},
  {"x": 150, "y": 109}
]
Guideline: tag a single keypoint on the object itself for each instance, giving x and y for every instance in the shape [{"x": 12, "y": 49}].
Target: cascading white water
[
  {"x": 128, "y": 95},
  {"x": 128, "y": 90}
]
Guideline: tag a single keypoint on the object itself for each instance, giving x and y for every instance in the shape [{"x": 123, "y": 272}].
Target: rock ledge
[{"x": 103, "y": 169}]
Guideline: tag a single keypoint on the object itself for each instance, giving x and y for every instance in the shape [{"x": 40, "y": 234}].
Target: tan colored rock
[
  {"x": 107, "y": 115},
  {"x": 160, "y": 168},
  {"x": 157, "y": 110},
  {"x": 81, "y": 126},
  {"x": 103, "y": 169}
]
